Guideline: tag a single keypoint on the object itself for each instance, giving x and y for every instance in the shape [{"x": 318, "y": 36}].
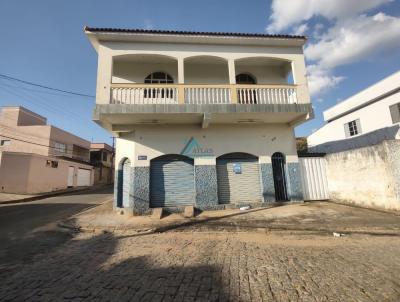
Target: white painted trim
[{"x": 205, "y": 161}]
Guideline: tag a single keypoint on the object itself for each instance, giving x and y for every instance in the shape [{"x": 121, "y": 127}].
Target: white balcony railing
[
  {"x": 203, "y": 94},
  {"x": 149, "y": 94}
]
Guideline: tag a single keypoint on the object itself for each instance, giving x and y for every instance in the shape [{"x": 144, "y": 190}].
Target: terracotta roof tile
[{"x": 191, "y": 33}]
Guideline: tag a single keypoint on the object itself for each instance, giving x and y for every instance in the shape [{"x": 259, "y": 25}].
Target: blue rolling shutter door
[
  {"x": 238, "y": 187},
  {"x": 172, "y": 183}
]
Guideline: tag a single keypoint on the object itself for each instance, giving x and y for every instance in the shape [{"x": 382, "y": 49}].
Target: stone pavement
[
  {"x": 212, "y": 267},
  {"x": 280, "y": 254}
]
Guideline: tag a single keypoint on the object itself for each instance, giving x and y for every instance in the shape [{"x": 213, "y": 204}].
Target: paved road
[{"x": 27, "y": 229}]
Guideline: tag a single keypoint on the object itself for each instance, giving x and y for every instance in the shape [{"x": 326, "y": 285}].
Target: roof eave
[{"x": 97, "y": 34}]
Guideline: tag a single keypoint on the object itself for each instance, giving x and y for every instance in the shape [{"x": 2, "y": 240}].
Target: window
[
  {"x": 51, "y": 163},
  {"x": 244, "y": 95},
  {"x": 62, "y": 148},
  {"x": 352, "y": 128},
  {"x": 395, "y": 113},
  {"x": 245, "y": 78},
  {"x": 158, "y": 78},
  {"x": 5, "y": 142},
  {"x": 104, "y": 156}
]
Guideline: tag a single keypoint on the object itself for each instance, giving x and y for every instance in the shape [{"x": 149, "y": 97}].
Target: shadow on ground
[{"x": 70, "y": 275}]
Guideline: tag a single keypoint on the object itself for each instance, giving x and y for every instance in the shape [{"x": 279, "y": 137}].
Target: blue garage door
[{"x": 172, "y": 181}]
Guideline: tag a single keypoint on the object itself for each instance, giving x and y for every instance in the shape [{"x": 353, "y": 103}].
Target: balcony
[
  {"x": 199, "y": 90},
  {"x": 137, "y": 94}
]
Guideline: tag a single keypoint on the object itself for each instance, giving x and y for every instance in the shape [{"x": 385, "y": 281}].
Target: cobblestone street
[{"x": 212, "y": 266}]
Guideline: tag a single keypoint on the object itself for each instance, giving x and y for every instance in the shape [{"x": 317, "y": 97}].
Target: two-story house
[
  {"x": 364, "y": 119},
  {"x": 36, "y": 157},
  {"x": 102, "y": 159},
  {"x": 202, "y": 119}
]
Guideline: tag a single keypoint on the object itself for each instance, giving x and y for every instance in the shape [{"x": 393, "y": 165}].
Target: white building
[
  {"x": 203, "y": 119},
  {"x": 367, "y": 118}
]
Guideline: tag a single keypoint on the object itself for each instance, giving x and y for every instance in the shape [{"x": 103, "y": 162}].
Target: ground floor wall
[
  {"x": 368, "y": 176},
  {"x": 24, "y": 173},
  {"x": 103, "y": 175},
  {"x": 205, "y": 146}
]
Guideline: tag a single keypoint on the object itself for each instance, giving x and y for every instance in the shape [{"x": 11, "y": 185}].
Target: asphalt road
[{"x": 28, "y": 229}]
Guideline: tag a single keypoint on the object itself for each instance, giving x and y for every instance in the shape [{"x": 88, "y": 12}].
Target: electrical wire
[{"x": 45, "y": 87}]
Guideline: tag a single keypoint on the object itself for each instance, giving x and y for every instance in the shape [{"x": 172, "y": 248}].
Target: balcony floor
[{"x": 120, "y": 116}]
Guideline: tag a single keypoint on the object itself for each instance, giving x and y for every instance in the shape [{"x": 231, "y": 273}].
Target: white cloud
[
  {"x": 350, "y": 36},
  {"x": 321, "y": 80},
  {"x": 301, "y": 30},
  {"x": 286, "y": 13},
  {"x": 355, "y": 39}
]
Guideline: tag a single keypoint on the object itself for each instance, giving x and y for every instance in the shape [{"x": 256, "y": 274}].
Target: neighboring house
[
  {"x": 201, "y": 118},
  {"x": 367, "y": 118},
  {"x": 36, "y": 157},
  {"x": 102, "y": 158}
]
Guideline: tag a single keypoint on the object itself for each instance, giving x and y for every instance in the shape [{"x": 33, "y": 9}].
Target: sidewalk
[
  {"x": 313, "y": 218},
  {"x": 7, "y": 198},
  {"x": 104, "y": 219}
]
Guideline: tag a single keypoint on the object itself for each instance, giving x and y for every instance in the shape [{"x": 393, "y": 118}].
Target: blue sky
[{"x": 42, "y": 41}]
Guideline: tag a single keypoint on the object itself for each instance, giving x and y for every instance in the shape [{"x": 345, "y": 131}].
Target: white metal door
[
  {"x": 83, "y": 179},
  {"x": 313, "y": 178},
  {"x": 238, "y": 180},
  {"x": 71, "y": 176}
]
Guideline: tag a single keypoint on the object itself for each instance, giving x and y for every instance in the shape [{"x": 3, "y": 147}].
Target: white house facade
[
  {"x": 365, "y": 119},
  {"x": 202, "y": 119}
]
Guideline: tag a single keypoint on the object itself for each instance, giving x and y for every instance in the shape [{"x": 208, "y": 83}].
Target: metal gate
[
  {"x": 278, "y": 169},
  {"x": 313, "y": 178},
  {"x": 172, "y": 181},
  {"x": 126, "y": 183},
  {"x": 238, "y": 180},
  {"x": 70, "y": 181},
  {"x": 83, "y": 177}
]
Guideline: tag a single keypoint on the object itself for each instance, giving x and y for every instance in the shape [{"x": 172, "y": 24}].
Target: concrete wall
[
  {"x": 135, "y": 72},
  {"x": 368, "y": 176},
  {"x": 259, "y": 140},
  {"x": 19, "y": 116},
  {"x": 24, "y": 173},
  {"x": 105, "y": 176},
  {"x": 372, "y": 118}
]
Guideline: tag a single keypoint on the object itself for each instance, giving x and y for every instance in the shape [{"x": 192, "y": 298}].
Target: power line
[
  {"x": 45, "y": 87},
  {"x": 41, "y": 102}
]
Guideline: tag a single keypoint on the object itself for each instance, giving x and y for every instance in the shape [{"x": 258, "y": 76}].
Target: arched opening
[
  {"x": 237, "y": 155},
  {"x": 144, "y": 69},
  {"x": 238, "y": 178},
  {"x": 267, "y": 70},
  {"x": 245, "y": 79},
  {"x": 172, "y": 181},
  {"x": 206, "y": 70},
  {"x": 123, "y": 185},
  {"x": 279, "y": 174},
  {"x": 134, "y": 68}
]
